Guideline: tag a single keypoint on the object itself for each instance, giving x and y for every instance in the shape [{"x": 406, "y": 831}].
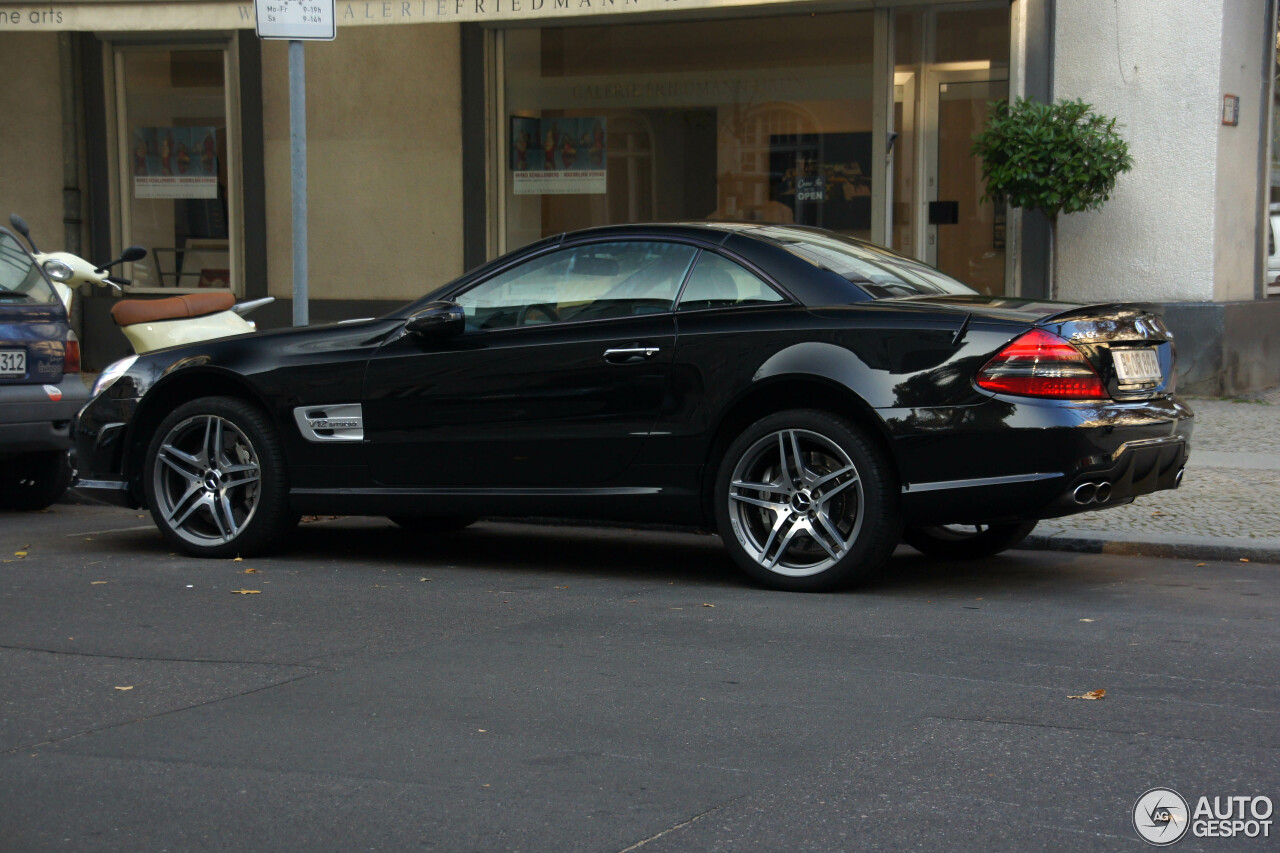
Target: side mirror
[
  {"x": 131, "y": 254},
  {"x": 437, "y": 320},
  {"x": 20, "y": 225}
]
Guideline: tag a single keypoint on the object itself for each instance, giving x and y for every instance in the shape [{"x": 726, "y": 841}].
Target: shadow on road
[{"x": 615, "y": 552}]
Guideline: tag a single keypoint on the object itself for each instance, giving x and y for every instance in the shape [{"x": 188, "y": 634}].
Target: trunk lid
[
  {"x": 1127, "y": 343},
  {"x": 33, "y": 342}
]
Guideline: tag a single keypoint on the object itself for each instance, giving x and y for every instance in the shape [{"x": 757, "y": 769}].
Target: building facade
[{"x": 444, "y": 132}]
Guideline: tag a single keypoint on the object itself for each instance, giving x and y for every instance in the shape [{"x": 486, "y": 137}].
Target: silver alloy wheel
[
  {"x": 206, "y": 480},
  {"x": 796, "y": 502}
]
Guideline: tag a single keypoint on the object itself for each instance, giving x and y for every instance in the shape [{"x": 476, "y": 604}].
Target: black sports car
[{"x": 814, "y": 398}]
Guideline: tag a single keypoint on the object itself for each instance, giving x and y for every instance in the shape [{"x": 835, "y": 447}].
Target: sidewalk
[{"x": 1227, "y": 508}]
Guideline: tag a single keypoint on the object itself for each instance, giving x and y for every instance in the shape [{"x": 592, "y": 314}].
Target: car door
[{"x": 556, "y": 381}]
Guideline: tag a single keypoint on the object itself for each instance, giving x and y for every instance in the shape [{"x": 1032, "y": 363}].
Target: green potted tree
[{"x": 1056, "y": 158}]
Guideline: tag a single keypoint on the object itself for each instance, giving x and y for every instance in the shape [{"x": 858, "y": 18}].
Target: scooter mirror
[
  {"x": 131, "y": 254},
  {"x": 20, "y": 225}
]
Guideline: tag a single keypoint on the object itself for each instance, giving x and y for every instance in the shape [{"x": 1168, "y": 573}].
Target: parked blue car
[{"x": 40, "y": 384}]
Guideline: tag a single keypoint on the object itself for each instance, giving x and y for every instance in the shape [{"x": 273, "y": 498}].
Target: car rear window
[
  {"x": 20, "y": 279},
  {"x": 880, "y": 272}
]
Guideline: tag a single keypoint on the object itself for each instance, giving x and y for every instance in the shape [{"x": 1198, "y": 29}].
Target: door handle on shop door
[{"x": 629, "y": 355}]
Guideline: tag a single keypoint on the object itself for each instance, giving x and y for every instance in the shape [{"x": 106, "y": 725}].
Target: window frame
[{"x": 119, "y": 145}]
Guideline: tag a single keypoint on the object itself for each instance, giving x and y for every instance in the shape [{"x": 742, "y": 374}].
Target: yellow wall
[
  {"x": 384, "y": 150},
  {"x": 31, "y": 135}
]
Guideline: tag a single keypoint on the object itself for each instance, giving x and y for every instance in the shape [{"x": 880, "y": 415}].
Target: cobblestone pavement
[{"x": 1213, "y": 501}]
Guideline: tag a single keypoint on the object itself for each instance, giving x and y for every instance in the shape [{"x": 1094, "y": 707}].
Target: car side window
[
  {"x": 718, "y": 282},
  {"x": 591, "y": 282},
  {"x": 20, "y": 278}
]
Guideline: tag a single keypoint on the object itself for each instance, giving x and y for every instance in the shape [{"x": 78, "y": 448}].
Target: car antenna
[{"x": 964, "y": 327}]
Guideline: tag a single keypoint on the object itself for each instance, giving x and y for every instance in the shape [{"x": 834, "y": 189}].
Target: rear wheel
[
  {"x": 34, "y": 481},
  {"x": 216, "y": 480},
  {"x": 433, "y": 523},
  {"x": 805, "y": 501},
  {"x": 967, "y": 541}
]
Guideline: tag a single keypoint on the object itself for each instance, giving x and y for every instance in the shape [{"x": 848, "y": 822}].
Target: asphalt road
[{"x": 559, "y": 689}]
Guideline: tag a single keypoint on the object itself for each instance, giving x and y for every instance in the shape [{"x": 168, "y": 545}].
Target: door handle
[{"x": 629, "y": 355}]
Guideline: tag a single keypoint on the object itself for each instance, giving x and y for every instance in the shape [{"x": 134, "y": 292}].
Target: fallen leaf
[
  {"x": 130, "y": 687},
  {"x": 483, "y": 731},
  {"x": 1092, "y": 694},
  {"x": 246, "y": 591},
  {"x": 249, "y": 572},
  {"x": 704, "y": 604},
  {"x": 1198, "y": 565},
  {"x": 19, "y": 553},
  {"x": 425, "y": 580},
  {"x": 237, "y": 559},
  {"x": 1244, "y": 559},
  {"x": 95, "y": 583},
  {"x": 1086, "y": 620}
]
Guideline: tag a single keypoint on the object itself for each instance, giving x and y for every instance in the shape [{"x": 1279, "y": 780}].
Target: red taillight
[
  {"x": 1041, "y": 364},
  {"x": 71, "y": 358}
]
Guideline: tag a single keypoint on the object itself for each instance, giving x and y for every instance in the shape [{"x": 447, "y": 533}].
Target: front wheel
[
  {"x": 216, "y": 480},
  {"x": 967, "y": 541},
  {"x": 34, "y": 481},
  {"x": 805, "y": 501}
]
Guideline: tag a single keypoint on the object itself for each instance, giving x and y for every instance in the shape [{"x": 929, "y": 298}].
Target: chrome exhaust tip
[
  {"x": 1085, "y": 493},
  {"x": 1103, "y": 493}
]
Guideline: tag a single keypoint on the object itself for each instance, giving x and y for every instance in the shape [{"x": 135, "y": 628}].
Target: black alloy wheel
[
  {"x": 34, "y": 481},
  {"x": 216, "y": 481},
  {"x": 967, "y": 541},
  {"x": 805, "y": 501}
]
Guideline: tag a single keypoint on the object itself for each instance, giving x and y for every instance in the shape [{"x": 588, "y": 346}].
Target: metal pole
[{"x": 298, "y": 169}]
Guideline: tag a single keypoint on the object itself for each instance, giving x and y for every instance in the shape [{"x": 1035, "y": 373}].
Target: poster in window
[
  {"x": 558, "y": 156},
  {"x": 825, "y": 178},
  {"x": 175, "y": 162}
]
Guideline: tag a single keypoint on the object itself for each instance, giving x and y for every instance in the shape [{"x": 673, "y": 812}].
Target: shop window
[
  {"x": 723, "y": 119},
  {"x": 176, "y": 198}
]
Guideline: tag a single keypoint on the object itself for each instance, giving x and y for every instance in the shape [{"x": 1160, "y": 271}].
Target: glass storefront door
[
  {"x": 176, "y": 194},
  {"x": 966, "y": 235},
  {"x": 950, "y": 63}
]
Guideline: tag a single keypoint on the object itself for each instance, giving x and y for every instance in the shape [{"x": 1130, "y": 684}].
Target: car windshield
[
  {"x": 881, "y": 273},
  {"x": 20, "y": 278}
]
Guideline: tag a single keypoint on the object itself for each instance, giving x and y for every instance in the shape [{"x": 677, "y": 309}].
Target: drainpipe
[{"x": 71, "y": 127}]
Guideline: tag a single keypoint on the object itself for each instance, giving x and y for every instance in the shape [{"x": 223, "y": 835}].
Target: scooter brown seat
[{"x": 129, "y": 312}]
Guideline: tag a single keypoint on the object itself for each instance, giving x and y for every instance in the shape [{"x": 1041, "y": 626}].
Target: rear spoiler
[{"x": 1087, "y": 312}]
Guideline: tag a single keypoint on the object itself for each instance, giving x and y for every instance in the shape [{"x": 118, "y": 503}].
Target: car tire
[
  {"x": 34, "y": 481},
  {"x": 216, "y": 480},
  {"x": 433, "y": 523},
  {"x": 805, "y": 501},
  {"x": 967, "y": 541}
]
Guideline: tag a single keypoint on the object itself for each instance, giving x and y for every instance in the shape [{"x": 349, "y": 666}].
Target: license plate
[
  {"x": 1136, "y": 366},
  {"x": 13, "y": 362}
]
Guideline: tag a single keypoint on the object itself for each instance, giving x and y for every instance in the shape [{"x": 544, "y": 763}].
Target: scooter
[{"x": 149, "y": 324}]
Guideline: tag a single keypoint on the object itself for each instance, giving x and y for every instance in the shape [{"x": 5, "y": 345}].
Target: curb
[{"x": 1085, "y": 541}]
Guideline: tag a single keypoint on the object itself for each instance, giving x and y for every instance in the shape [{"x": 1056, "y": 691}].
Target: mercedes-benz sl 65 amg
[{"x": 815, "y": 399}]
